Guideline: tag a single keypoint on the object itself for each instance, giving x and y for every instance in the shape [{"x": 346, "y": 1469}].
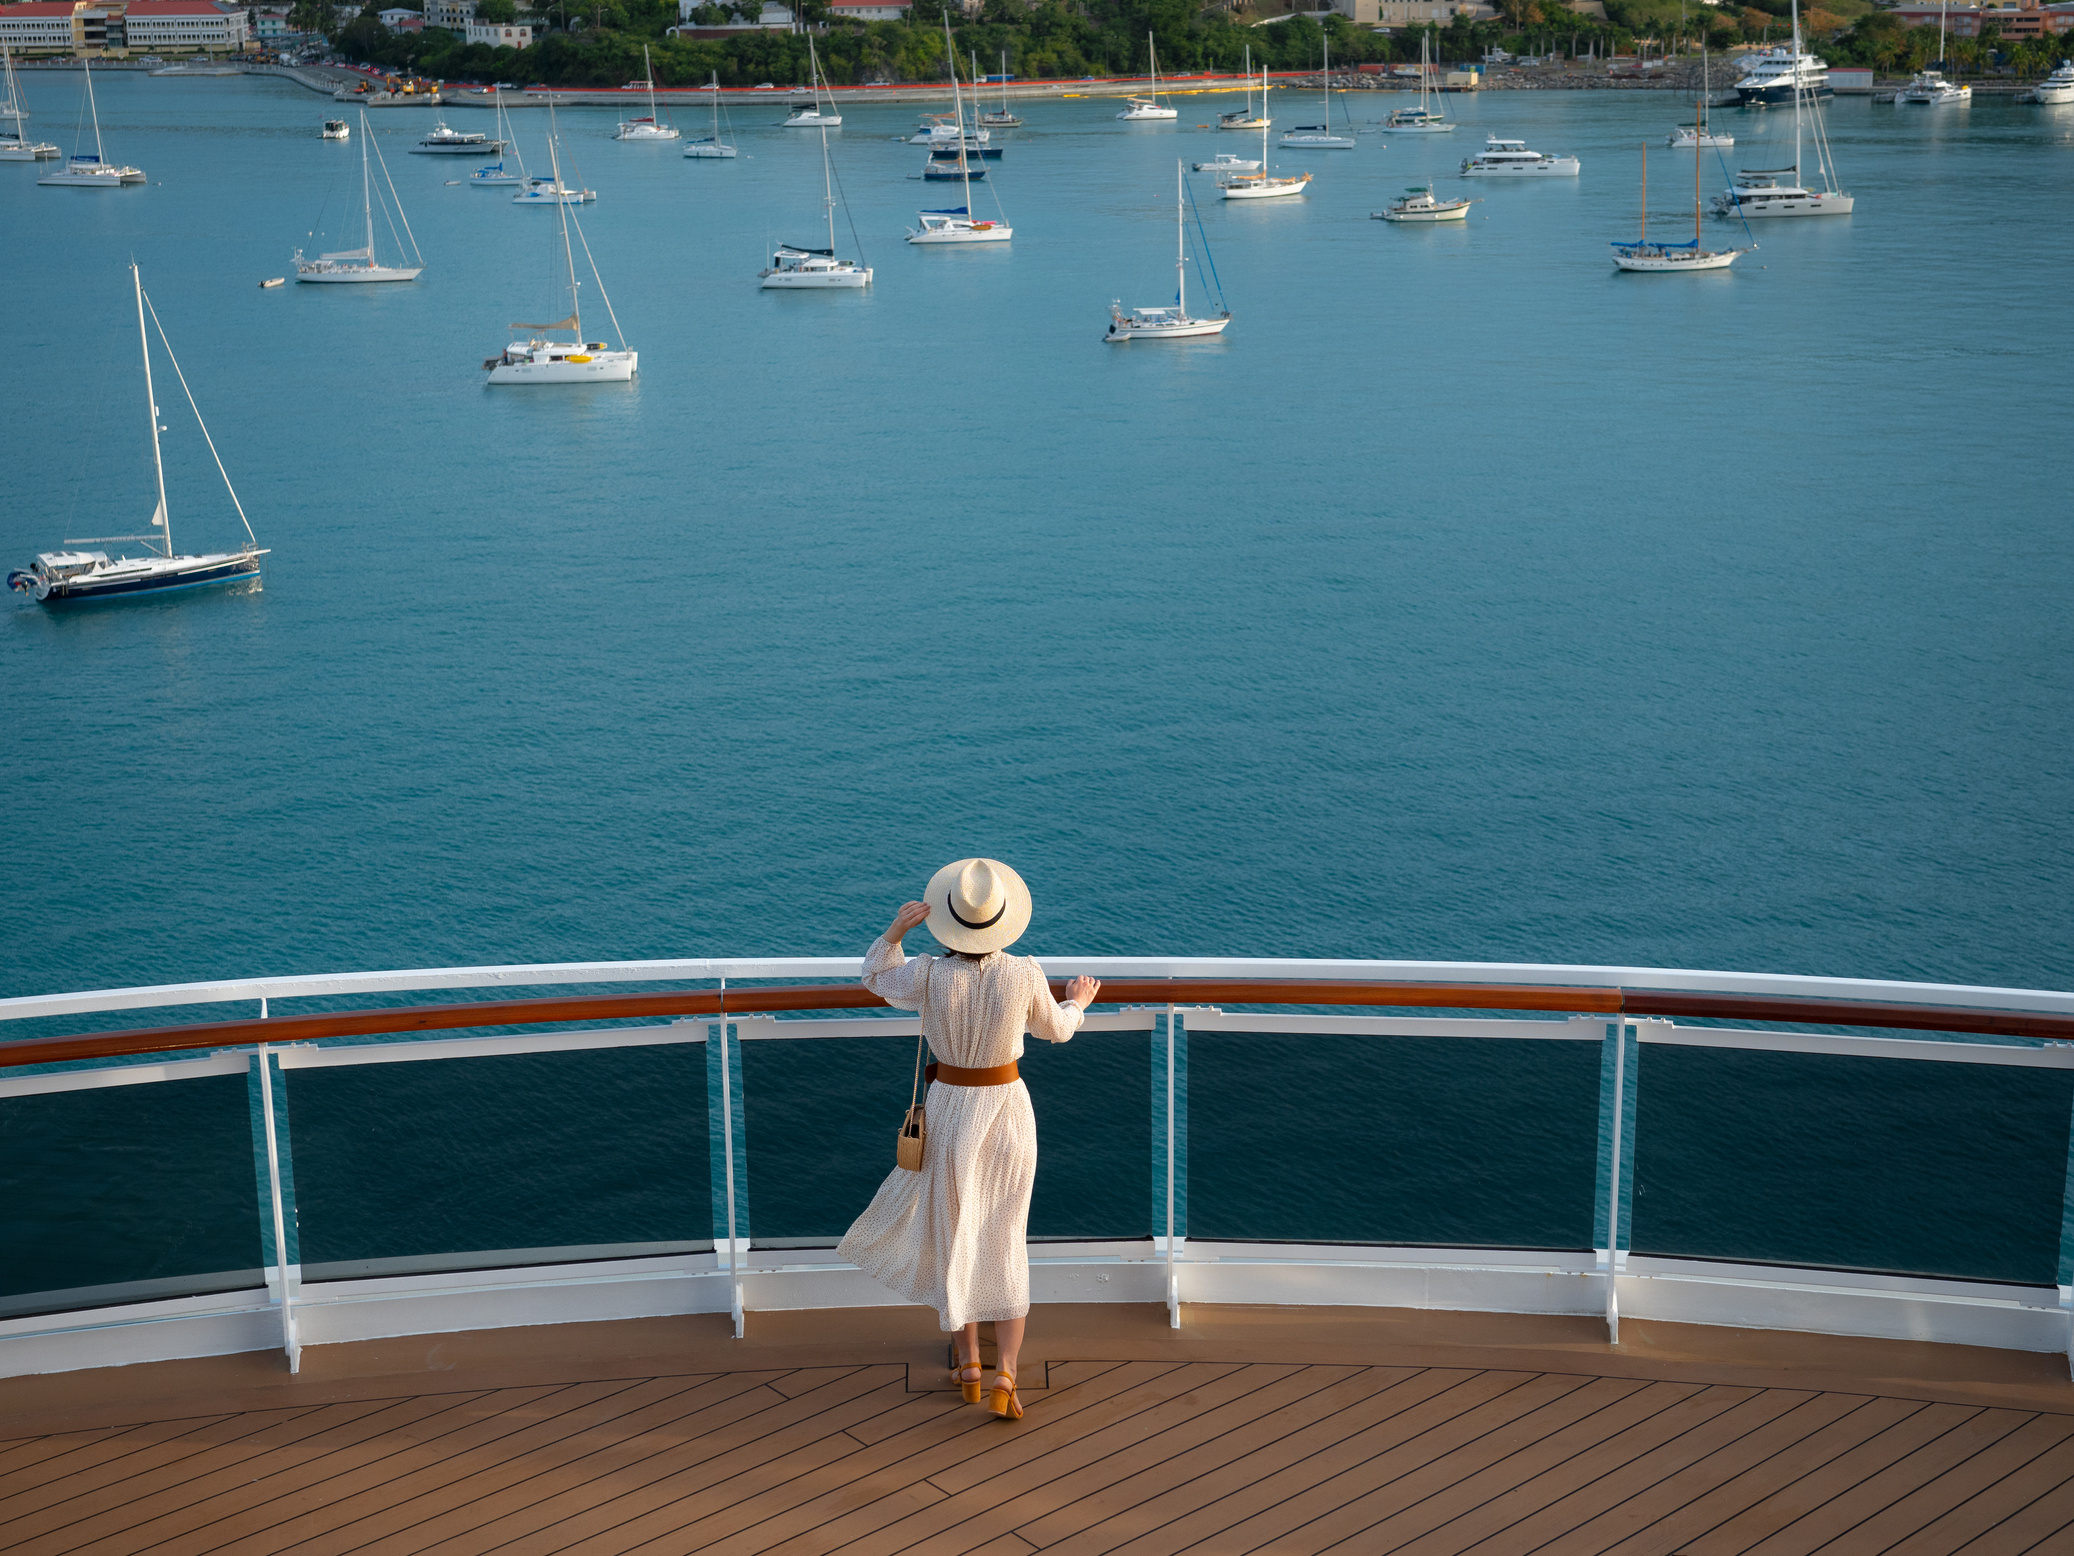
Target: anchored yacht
[
  {"x": 1772, "y": 77},
  {"x": 1511, "y": 159},
  {"x": 1420, "y": 205},
  {"x": 2055, "y": 88},
  {"x": 1930, "y": 89},
  {"x": 441, "y": 141}
]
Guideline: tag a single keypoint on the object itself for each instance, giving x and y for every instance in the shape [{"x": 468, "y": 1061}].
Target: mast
[
  {"x": 828, "y": 178},
  {"x": 1180, "y": 250},
  {"x": 366, "y": 196},
  {"x": 1793, "y": 73},
  {"x": 716, "y": 108},
  {"x": 957, "y": 111},
  {"x": 100, "y": 155},
  {"x": 1249, "y": 85},
  {"x": 1643, "y": 236},
  {"x": 1325, "y": 81},
  {"x": 1262, "y": 115},
  {"x": 554, "y": 161},
  {"x": 158, "y": 462},
  {"x": 648, "y": 70}
]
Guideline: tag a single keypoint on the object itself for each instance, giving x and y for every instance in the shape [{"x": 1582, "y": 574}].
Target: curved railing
[{"x": 296, "y": 1185}]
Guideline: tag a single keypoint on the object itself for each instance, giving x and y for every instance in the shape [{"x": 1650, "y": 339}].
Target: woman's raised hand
[
  {"x": 910, "y": 914},
  {"x": 1082, "y": 991}
]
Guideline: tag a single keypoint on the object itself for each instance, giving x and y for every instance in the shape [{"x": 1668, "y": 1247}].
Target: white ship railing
[{"x": 1622, "y": 1011}]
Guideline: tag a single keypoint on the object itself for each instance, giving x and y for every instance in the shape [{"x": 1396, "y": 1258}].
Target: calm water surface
[{"x": 1466, "y": 600}]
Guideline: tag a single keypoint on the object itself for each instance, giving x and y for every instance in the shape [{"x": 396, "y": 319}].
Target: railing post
[
  {"x": 1170, "y": 1151},
  {"x": 278, "y": 1242},
  {"x": 1611, "y": 1231},
  {"x": 728, "y": 1145}
]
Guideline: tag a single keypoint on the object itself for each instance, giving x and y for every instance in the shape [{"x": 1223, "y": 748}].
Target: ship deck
[{"x": 1249, "y": 1429}]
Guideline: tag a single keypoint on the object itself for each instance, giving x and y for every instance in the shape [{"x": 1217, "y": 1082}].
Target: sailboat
[
  {"x": 63, "y": 577},
  {"x": 359, "y": 264},
  {"x": 1262, "y": 185},
  {"x": 1665, "y": 258},
  {"x": 1001, "y": 118},
  {"x": 798, "y": 269},
  {"x": 91, "y": 172},
  {"x": 1149, "y": 107},
  {"x": 1690, "y": 137},
  {"x": 553, "y": 191},
  {"x": 15, "y": 146},
  {"x": 539, "y": 359},
  {"x": 1166, "y": 323},
  {"x": 1245, "y": 118},
  {"x": 1760, "y": 192},
  {"x": 959, "y": 225},
  {"x": 650, "y": 128},
  {"x": 1319, "y": 137},
  {"x": 1929, "y": 88},
  {"x": 711, "y": 146},
  {"x": 493, "y": 175},
  {"x": 807, "y": 116},
  {"x": 1421, "y": 120}
]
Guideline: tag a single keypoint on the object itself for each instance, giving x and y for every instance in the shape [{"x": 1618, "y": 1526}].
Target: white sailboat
[
  {"x": 1173, "y": 323},
  {"x": 495, "y": 175},
  {"x": 814, "y": 115},
  {"x": 1691, "y": 137},
  {"x": 1421, "y": 120},
  {"x": 960, "y": 225},
  {"x": 15, "y": 145},
  {"x": 1245, "y": 118},
  {"x": 91, "y": 172},
  {"x": 1670, "y": 258},
  {"x": 554, "y": 191},
  {"x": 711, "y": 147},
  {"x": 795, "y": 269},
  {"x": 355, "y": 265},
  {"x": 68, "y": 577},
  {"x": 541, "y": 359},
  {"x": 1149, "y": 107},
  {"x": 650, "y": 128},
  {"x": 1319, "y": 137},
  {"x": 1261, "y": 184},
  {"x": 1001, "y": 118},
  {"x": 1768, "y": 192}
]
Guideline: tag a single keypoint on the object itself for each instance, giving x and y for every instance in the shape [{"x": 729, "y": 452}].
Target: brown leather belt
[{"x": 952, "y": 1075}]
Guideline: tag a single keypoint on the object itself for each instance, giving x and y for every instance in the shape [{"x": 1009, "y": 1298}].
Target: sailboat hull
[
  {"x": 601, "y": 367},
  {"x": 356, "y": 274},
  {"x": 817, "y": 280},
  {"x": 1187, "y": 329},
  {"x": 1752, "y": 207},
  {"x": 130, "y": 578},
  {"x": 1258, "y": 188},
  {"x": 709, "y": 152},
  {"x": 963, "y": 232},
  {"x": 1674, "y": 263}
]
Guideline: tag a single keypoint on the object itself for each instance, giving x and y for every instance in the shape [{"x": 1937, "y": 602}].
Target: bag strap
[{"x": 915, "y": 1092}]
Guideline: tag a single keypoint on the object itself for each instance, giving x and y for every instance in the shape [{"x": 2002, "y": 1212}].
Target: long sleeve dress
[{"x": 954, "y": 1236}]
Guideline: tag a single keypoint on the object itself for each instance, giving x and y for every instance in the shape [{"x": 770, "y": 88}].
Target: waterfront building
[
  {"x": 119, "y": 28},
  {"x": 501, "y": 35},
  {"x": 399, "y": 19},
  {"x": 453, "y": 15},
  {"x": 1389, "y": 14},
  {"x": 2013, "y": 19},
  {"x": 869, "y": 10}
]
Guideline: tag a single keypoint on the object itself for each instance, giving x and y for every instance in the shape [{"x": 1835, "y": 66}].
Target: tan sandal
[
  {"x": 1003, "y": 1402},
  {"x": 969, "y": 1387}
]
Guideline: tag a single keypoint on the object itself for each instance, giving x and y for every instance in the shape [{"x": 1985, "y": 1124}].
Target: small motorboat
[
  {"x": 1419, "y": 205},
  {"x": 1225, "y": 162},
  {"x": 337, "y": 129}
]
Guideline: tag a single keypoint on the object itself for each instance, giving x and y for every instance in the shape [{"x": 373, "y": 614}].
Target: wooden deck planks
[{"x": 1115, "y": 1458}]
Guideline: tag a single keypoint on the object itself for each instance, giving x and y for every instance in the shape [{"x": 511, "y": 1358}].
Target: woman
[{"x": 954, "y": 1235}]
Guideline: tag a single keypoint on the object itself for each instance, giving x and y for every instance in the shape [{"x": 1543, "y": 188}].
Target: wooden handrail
[{"x": 1122, "y": 991}]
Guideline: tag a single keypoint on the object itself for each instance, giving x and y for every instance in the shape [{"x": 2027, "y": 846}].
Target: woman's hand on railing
[
  {"x": 910, "y": 914},
  {"x": 1082, "y": 991}
]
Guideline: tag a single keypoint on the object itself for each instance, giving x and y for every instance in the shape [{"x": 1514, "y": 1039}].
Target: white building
[
  {"x": 184, "y": 26},
  {"x": 501, "y": 35},
  {"x": 44, "y": 27},
  {"x": 869, "y": 10}
]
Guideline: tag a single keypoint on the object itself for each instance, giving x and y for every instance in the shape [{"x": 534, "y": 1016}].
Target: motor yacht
[
  {"x": 1501, "y": 158},
  {"x": 2055, "y": 88},
  {"x": 337, "y": 129},
  {"x": 442, "y": 141},
  {"x": 1773, "y": 76},
  {"x": 1225, "y": 162},
  {"x": 1420, "y": 205},
  {"x": 1930, "y": 89}
]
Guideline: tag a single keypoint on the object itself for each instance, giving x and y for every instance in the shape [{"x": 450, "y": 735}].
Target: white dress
[{"x": 954, "y": 1236}]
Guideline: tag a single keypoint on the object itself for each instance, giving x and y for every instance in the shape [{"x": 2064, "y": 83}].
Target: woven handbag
[{"x": 914, "y": 1129}]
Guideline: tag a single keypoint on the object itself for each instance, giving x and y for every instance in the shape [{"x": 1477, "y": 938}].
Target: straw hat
[{"x": 977, "y": 905}]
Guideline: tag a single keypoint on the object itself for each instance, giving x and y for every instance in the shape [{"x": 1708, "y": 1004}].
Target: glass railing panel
[
  {"x": 1465, "y": 1142},
  {"x": 127, "y": 1193},
  {"x": 822, "y": 1114},
  {"x": 529, "y": 1158},
  {"x": 1901, "y": 1166}
]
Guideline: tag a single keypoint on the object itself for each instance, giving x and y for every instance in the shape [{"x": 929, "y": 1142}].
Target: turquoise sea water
[{"x": 1465, "y": 600}]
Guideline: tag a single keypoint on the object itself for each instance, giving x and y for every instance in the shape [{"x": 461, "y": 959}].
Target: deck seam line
[
  {"x": 1922, "y": 1485},
  {"x": 2014, "y": 1469},
  {"x": 2026, "y": 1551}
]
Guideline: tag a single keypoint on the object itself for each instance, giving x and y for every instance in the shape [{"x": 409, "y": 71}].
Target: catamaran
[
  {"x": 1422, "y": 120},
  {"x": 1319, "y": 137},
  {"x": 1929, "y": 89},
  {"x": 351, "y": 265},
  {"x": 541, "y": 359},
  {"x": 495, "y": 175},
  {"x": 1778, "y": 191},
  {"x": 1163, "y": 323},
  {"x": 15, "y": 146},
  {"x": 1245, "y": 118},
  {"x": 1149, "y": 107},
  {"x": 711, "y": 147},
  {"x": 956, "y": 225},
  {"x": 650, "y": 128},
  {"x": 1257, "y": 183},
  {"x": 65, "y": 577},
  {"x": 814, "y": 115},
  {"x": 91, "y": 172},
  {"x": 1670, "y": 258},
  {"x": 797, "y": 269}
]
